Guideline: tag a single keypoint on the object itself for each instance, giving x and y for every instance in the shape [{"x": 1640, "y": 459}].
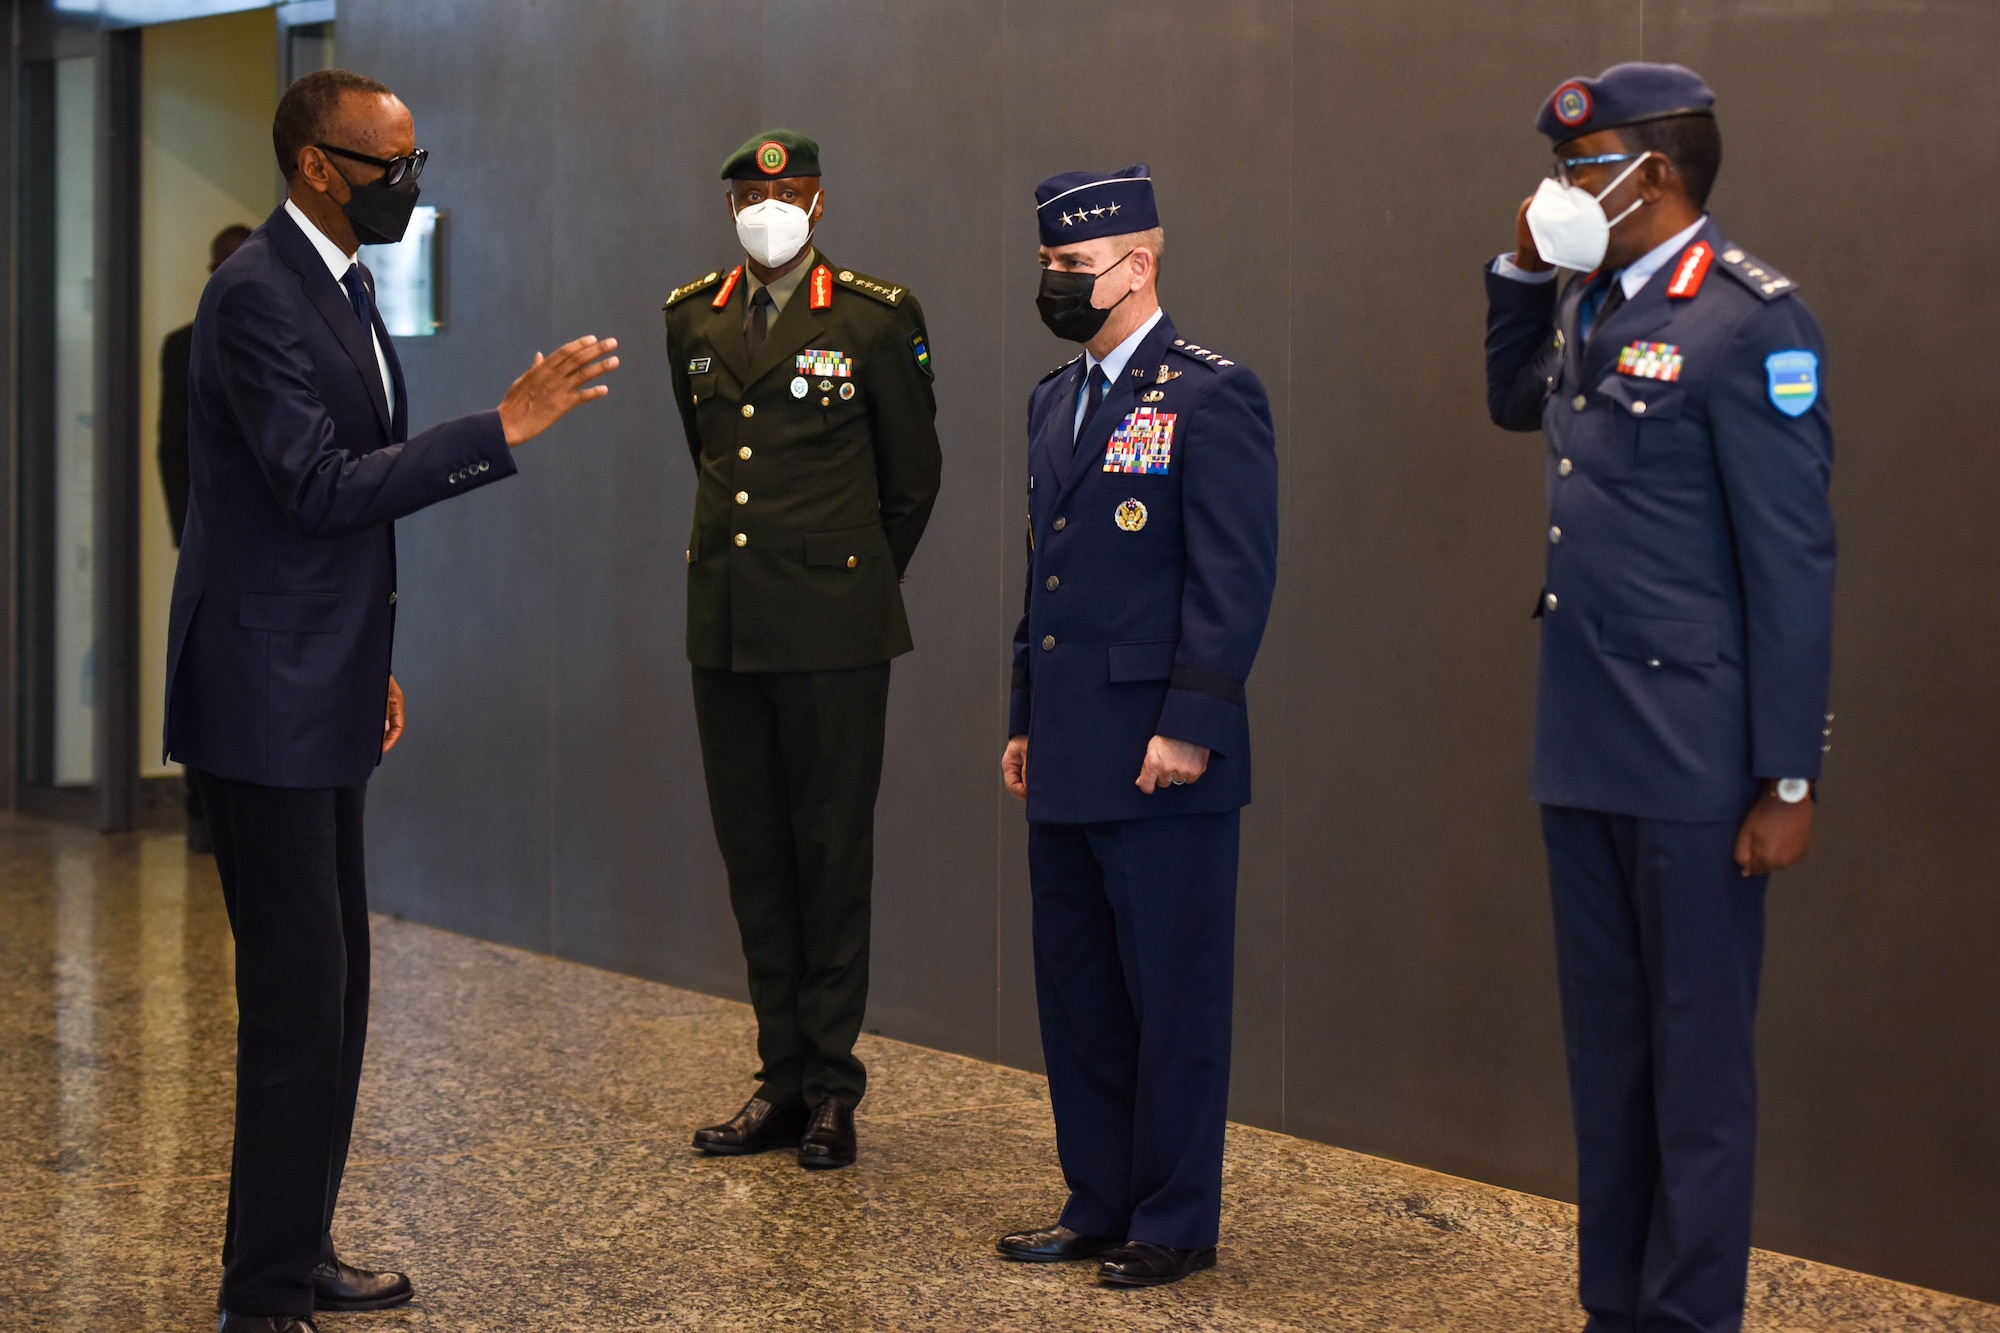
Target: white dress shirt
[
  {"x": 337, "y": 263},
  {"x": 1114, "y": 366}
]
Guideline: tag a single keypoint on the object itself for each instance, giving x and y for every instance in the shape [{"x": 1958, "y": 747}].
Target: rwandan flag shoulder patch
[{"x": 1794, "y": 381}]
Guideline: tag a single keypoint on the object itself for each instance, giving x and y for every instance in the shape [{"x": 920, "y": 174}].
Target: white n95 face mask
[
  {"x": 1568, "y": 222},
  {"x": 773, "y": 233}
]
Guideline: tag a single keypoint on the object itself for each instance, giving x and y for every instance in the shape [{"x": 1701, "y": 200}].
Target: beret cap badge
[
  {"x": 771, "y": 157},
  {"x": 1571, "y": 104}
]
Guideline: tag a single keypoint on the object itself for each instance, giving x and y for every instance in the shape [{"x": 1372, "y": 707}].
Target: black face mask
[
  {"x": 1064, "y": 301},
  {"x": 379, "y": 214}
]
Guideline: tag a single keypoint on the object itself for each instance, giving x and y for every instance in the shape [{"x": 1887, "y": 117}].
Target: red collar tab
[
  {"x": 1690, "y": 270},
  {"x": 822, "y": 287},
  {"x": 728, "y": 287}
]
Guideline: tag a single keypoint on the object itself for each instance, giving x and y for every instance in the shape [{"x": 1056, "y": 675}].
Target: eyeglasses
[
  {"x": 1564, "y": 166},
  {"x": 395, "y": 170}
]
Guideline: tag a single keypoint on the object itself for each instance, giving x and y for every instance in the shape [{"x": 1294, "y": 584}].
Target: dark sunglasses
[{"x": 395, "y": 170}]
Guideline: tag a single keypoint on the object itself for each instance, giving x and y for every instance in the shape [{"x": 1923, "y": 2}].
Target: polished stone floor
[{"x": 522, "y": 1148}]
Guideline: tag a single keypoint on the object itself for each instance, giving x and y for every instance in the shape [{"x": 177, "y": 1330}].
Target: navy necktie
[
  {"x": 1599, "y": 306},
  {"x": 358, "y": 297},
  {"x": 1093, "y": 395}
]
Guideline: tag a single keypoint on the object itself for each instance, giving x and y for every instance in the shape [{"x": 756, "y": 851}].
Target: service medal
[
  {"x": 847, "y": 389},
  {"x": 1131, "y": 516},
  {"x": 799, "y": 386}
]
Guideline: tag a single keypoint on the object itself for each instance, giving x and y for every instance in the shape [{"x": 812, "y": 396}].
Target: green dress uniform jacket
[{"x": 818, "y": 465}]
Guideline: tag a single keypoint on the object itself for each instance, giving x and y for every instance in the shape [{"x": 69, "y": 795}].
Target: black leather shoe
[
  {"x": 759, "y": 1127},
  {"x": 342, "y": 1286},
  {"x": 1056, "y": 1245},
  {"x": 265, "y": 1323},
  {"x": 829, "y": 1140},
  {"x": 1140, "y": 1263}
]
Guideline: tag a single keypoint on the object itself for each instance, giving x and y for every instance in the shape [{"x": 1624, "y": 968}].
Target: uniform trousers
[
  {"x": 1659, "y": 946},
  {"x": 794, "y": 762},
  {"x": 1135, "y": 950},
  {"x": 290, "y": 860}
]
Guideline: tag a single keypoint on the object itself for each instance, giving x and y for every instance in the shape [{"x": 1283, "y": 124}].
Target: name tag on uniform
[
  {"x": 1142, "y": 444},
  {"x": 1650, "y": 361},
  {"x": 698, "y": 366}
]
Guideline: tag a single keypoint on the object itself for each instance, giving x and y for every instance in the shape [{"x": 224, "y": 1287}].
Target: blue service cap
[
  {"x": 1084, "y": 205},
  {"x": 1622, "y": 95}
]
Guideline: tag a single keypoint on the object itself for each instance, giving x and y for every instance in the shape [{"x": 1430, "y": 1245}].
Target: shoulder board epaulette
[
  {"x": 1759, "y": 277},
  {"x": 887, "y": 293},
  {"x": 1060, "y": 369},
  {"x": 679, "y": 294},
  {"x": 1196, "y": 352}
]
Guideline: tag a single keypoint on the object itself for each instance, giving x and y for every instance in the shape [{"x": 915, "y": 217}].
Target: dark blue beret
[
  {"x": 1084, "y": 205},
  {"x": 1622, "y": 95}
]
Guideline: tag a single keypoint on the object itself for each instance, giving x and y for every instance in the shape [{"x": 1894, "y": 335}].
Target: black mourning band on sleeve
[{"x": 1203, "y": 681}]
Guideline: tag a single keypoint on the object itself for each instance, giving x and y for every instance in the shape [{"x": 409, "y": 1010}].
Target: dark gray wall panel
[{"x": 1331, "y": 175}]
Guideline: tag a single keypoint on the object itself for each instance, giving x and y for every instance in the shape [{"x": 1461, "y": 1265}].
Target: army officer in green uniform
[{"x": 805, "y": 388}]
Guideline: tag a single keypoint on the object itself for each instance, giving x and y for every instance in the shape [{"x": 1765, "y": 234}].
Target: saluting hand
[
  {"x": 549, "y": 388},
  {"x": 1525, "y": 255},
  {"x": 1171, "y": 763}
]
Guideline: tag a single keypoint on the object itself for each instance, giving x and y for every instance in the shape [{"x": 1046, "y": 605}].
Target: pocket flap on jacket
[
  {"x": 1642, "y": 399},
  {"x": 847, "y": 548},
  {"x": 291, "y": 612},
  {"x": 1143, "y": 661},
  {"x": 1680, "y": 642}
]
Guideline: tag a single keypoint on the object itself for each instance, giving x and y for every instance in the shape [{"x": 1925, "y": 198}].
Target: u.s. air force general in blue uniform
[
  {"x": 1153, "y": 550},
  {"x": 1686, "y": 627}
]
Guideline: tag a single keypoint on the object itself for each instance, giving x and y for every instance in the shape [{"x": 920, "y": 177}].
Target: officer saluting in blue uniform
[
  {"x": 1686, "y": 633},
  {"x": 1153, "y": 534}
]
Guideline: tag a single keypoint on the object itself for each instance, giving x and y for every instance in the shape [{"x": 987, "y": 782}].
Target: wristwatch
[{"x": 1792, "y": 790}]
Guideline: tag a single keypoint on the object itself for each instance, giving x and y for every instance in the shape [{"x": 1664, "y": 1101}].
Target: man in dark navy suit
[
  {"x": 279, "y": 697},
  {"x": 1686, "y": 646},
  {"x": 1153, "y": 538}
]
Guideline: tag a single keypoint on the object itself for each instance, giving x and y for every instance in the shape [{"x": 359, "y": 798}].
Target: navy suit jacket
[
  {"x": 278, "y": 643},
  {"x": 1146, "y": 626},
  {"x": 1687, "y": 613}
]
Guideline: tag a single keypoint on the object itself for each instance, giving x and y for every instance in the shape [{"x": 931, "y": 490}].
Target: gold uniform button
[
  {"x": 1555, "y": 535},
  {"x": 749, "y": 411},
  {"x": 1054, "y": 583},
  {"x": 744, "y": 452},
  {"x": 1579, "y": 403},
  {"x": 826, "y": 402},
  {"x": 743, "y": 539},
  {"x": 1564, "y": 468},
  {"x": 1048, "y": 642},
  {"x": 743, "y": 497},
  {"x": 690, "y": 555},
  {"x": 853, "y": 560},
  {"x": 1061, "y": 523}
]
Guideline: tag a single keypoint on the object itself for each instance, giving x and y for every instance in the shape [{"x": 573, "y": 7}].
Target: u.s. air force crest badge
[{"x": 1131, "y": 516}]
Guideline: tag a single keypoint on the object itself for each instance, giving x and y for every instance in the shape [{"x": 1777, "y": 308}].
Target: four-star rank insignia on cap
[
  {"x": 1143, "y": 444},
  {"x": 1650, "y": 361},
  {"x": 1794, "y": 377}
]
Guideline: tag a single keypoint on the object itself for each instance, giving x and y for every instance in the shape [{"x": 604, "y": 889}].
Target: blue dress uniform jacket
[
  {"x": 1147, "y": 591},
  {"x": 284, "y": 602},
  {"x": 1688, "y": 611}
]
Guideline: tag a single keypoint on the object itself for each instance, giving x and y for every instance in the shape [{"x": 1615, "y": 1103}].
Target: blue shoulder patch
[{"x": 1794, "y": 378}]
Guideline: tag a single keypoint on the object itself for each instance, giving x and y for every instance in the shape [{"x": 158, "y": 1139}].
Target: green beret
[{"x": 773, "y": 153}]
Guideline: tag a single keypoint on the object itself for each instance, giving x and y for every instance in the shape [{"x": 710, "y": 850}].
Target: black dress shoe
[
  {"x": 266, "y": 1323},
  {"x": 1056, "y": 1245},
  {"x": 342, "y": 1286},
  {"x": 759, "y": 1127},
  {"x": 1140, "y": 1263},
  {"x": 829, "y": 1140}
]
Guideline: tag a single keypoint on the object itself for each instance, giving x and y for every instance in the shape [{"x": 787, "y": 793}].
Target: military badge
[
  {"x": 1571, "y": 104},
  {"x": 847, "y": 390},
  {"x": 1650, "y": 361},
  {"x": 1166, "y": 375},
  {"x": 1142, "y": 444},
  {"x": 822, "y": 288},
  {"x": 1151, "y": 396},
  {"x": 922, "y": 351},
  {"x": 799, "y": 386},
  {"x": 1794, "y": 378},
  {"x": 699, "y": 366},
  {"x": 728, "y": 288},
  {"x": 1690, "y": 269},
  {"x": 1131, "y": 516},
  {"x": 771, "y": 157},
  {"x": 838, "y": 365}
]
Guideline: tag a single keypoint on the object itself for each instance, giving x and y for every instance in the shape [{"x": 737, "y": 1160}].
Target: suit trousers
[
  {"x": 1659, "y": 947},
  {"x": 292, "y": 879},
  {"x": 1135, "y": 951},
  {"x": 794, "y": 762}
]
